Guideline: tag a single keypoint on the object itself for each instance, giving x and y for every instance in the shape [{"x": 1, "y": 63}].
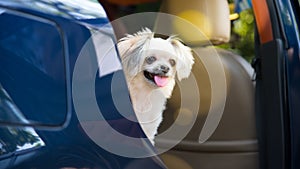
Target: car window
[
  {"x": 242, "y": 29},
  {"x": 32, "y": 65}
]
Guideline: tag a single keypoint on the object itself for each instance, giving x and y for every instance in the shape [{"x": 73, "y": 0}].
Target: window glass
[
  {"x": 32, "y": 65},
  {"x": 242, "y": 29}
]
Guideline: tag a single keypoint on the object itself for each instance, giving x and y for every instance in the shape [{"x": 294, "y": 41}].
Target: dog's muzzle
[{"x": 158, "y": 76}]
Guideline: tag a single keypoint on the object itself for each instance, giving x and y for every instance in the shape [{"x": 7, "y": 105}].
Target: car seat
[{"x": 233, "y": 144}]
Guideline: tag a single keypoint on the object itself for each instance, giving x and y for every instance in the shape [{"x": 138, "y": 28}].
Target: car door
[{"x": 277, "y": 82}]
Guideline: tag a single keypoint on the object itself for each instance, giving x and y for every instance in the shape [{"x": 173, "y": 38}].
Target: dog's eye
[
  {"x": 172, "y": 62},
  {"x": 150, "y": 59}
]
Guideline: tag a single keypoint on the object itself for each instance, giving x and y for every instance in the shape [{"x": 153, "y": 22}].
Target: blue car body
[{"x": 40, "y": 43}]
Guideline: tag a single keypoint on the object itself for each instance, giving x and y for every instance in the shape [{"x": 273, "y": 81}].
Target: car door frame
[{"x": 275, "y": 38}]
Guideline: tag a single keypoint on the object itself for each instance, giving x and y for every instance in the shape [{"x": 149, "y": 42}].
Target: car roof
[{"x": 71, "y": 9}]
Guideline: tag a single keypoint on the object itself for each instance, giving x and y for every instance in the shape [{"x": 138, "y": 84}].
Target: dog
[{"x": 151, "y": 65}]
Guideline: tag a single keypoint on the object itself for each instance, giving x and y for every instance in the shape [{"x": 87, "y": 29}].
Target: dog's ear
[
  {"x": 185, "y": 59},
  {"x": 130, "y": 49}
]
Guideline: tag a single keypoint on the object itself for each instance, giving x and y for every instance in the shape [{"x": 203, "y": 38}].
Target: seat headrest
[{"x": 209, "y": 19}]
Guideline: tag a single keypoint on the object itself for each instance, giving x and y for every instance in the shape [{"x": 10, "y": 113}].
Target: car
[
  {"x": 64, "y": 101},
  {"x": 40, "y": 43}
]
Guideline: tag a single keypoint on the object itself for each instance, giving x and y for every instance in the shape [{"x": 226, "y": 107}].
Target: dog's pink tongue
[{"x": 161, "y": 81}]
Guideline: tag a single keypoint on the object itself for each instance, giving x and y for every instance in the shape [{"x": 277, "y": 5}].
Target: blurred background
[{"x": 241, "y": 16}]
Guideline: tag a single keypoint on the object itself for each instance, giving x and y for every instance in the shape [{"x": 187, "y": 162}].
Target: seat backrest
[
  {"x": 210, "y": 17},
  {"x": 234, "y": 142}
]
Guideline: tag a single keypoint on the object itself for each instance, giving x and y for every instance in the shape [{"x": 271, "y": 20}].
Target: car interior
[{"x": 233, "y": 142}]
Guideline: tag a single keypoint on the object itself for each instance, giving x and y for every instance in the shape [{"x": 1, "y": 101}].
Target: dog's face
[{"x": 157, "y": 60}]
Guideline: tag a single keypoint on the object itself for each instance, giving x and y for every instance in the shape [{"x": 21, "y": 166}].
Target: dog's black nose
[{"x": 164, "y": 69}]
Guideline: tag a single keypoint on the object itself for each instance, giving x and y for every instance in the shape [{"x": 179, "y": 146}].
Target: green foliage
[{"x": 242, "y": 35}]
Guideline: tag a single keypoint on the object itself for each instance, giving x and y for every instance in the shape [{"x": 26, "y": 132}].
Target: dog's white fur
[{"x": 149, "y": 99}]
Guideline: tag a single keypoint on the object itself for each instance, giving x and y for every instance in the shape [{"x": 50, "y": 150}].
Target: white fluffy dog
[{"x": 150, "y": 66}]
